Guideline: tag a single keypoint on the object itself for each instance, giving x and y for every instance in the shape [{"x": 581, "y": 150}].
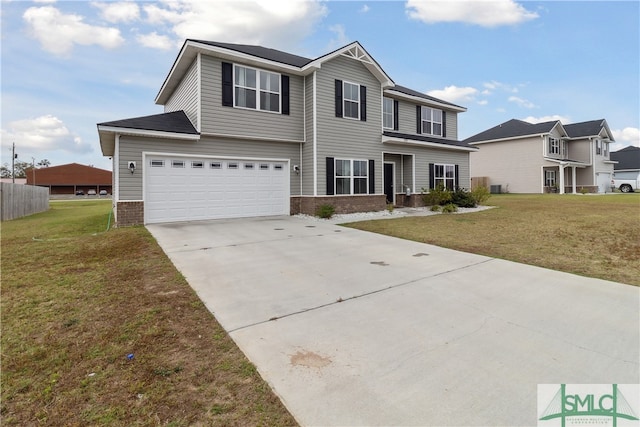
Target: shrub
[
  {"x": 480, "y": 194},
  {"x": 325, "y": 211},
  {"x": 449, "y": 208},
  {"x": 462, "y": 198},
  {"x": 435, "y": 208},
  {"x": 437, "y": 196},
  {"x": 390, "y": 207}
]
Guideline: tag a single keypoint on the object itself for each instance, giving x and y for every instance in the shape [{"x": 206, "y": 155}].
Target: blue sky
[{"x": 68, "y": 65}]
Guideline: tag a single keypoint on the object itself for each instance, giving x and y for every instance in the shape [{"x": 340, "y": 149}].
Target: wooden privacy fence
[{"x": 21, "y": 200}]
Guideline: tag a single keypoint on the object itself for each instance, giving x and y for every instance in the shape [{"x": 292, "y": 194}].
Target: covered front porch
[{"x": 560, "y": 176}]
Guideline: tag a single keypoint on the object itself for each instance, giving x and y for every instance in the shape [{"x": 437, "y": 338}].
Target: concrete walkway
[{"x": 354, "y": 328}]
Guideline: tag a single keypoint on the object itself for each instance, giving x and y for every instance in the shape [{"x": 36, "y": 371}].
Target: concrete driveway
[{"x": 354, "y": 328}]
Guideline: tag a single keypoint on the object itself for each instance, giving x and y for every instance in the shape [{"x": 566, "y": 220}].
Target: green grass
[
  {"x": 76, "y": 300},
  {"x": 591, "y": 235}
]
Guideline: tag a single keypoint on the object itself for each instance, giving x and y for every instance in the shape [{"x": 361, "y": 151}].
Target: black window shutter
[
  {"x": 330, "y": 176},
  {"x": 372, "y": 177},
  {"x": 419, "y": 119},
  {"x": 338, "y": 98},
  {"x": 284, "y": 83},
  {"x": 432, "y": 178},
  {"x": 363, "y": 103},
  {"x": 227, "y": 84},
  {"x": 396, "y": 126},
  {"x": 457, "y": 181},
  {"x": 444, "y": 124}
]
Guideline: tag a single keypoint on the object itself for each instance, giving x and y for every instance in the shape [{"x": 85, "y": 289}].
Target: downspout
[
  {"x": 115, "y": 191},
  {"x": 315, "y": 137}
]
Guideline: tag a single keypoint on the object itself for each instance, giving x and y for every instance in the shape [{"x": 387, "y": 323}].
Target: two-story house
[
  {"x": 252, "y": 131},
  {"x": 521, "y": 157}
]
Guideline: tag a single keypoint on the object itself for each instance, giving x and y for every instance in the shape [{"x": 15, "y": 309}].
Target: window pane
[
  {"x": 426, "y": 113},
  {"x": 437, "y": 129},
  {"x": 343, "y": 186},
  {"x": 426, "y": 127},
  {"x": 245, "y": 98},
  {"x": 351, "y": 92},
  {"x": 245, "y": 77},
  {"x": 436, "y": 115},
  {"x": 269, "y": 101},
  {"x": 343, "y": 168},
  {"x": 359, "y": 168},
  {"x": 360, "y": 186},
  {"x": 439, "y": 171},
  {"x": 450, "y": 171},
  {"x": 351, "y": 109}
]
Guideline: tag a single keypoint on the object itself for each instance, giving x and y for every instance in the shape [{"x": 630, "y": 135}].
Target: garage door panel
[{"x": 182, "y": 189}]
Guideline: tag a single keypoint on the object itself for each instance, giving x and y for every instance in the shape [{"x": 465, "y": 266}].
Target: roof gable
[
  {"x": 590, "y": 128},
  {"x": 174, "y": 122}
]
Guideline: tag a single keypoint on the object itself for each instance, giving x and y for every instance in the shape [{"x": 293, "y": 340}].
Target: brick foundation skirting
[
  {"x": 342, "y": 204},
  {"x": 130, "y": 213}
]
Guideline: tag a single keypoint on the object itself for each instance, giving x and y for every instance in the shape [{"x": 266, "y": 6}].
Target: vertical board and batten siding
[
  {"x": 407, "y": 120},
  {"x": 19, "y": 200},
  {"x": 345, "y": 138},
  {"x": 307, "y": 146},
  {"x": 516, "y": 164},
  {"x": 187, "y": 95},
  {"x": 131, "y": 149},
  {"x": 220, "y": 120}
]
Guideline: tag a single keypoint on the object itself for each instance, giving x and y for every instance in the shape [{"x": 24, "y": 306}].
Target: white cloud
[
  {"x": 124, "y": 11},
  {"x": 521, "y": 102},
  {"x": 155, "y": 41},
  {"x": 44, "y": 133},
  {"x": 479, "y": 12},
  {"x": 58, "y": 32},
  {"x": 542, "y": 119},
  {"x": 483, "y": 102},
  {"x": 271, "y": 23},
  {"x": 340, "y": 37},
  {"x": 493, "y": 85},
  {"x": 454, "y": 93},
  {"x": 365, "y": 8},
  {"x": 625, "y": 137}
]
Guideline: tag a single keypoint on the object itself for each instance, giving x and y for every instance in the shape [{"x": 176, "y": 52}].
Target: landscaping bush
[
  {"x": 462, "y": 198},
  {"x": 435, "y": 208},
  {"x": 437, "y": 196},
  {"x": 449, "y": 208},
  {"x": 480, "y": 194},
  {"x": 325, "y": 211}
]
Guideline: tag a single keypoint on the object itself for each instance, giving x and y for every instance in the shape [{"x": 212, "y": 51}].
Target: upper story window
[
  {"x": 351, "y": 99},
  {"x": 387, "y": 113},
  {"x": 431, "y": 121},
  {"x": 554, "y": 146},
  {"x": 256, "y": 89},
  {"x": 598, "y": 146}
]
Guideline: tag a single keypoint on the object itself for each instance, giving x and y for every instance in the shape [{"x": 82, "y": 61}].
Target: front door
[{"x": 388, "y": 182}]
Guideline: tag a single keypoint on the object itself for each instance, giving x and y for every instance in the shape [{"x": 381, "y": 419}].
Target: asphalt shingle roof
[
  {"x": 174, "y": 122},
  {"x": 415, "y": 93},
  {"x": 425, "y": 138},
  {"x": 261, "y": 52},
  {"x": 510, "y": 129},
  {"x": 590, "y": 128},
  {"x": 627, "y": 158}
]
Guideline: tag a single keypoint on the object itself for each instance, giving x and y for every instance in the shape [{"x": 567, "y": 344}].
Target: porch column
[
  {"x": 573, "y": 179},
  {"x": 561, "y": 185}
]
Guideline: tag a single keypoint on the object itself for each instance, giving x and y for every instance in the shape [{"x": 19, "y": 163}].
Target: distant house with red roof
[{"x": 70, "y": 178}]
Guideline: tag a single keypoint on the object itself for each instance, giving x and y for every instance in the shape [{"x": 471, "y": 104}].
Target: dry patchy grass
[
  {"x": 76, "y": 300},
  {"x": 591, "y": 235}
]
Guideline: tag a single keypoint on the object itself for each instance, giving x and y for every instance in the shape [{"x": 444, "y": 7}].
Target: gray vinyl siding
[
  {"x": 342, "y": 137},
  {"x": 307, "y": 147},
  {"x": 131, "y": 149},
  {"x": 407, "y": 120},
  {"x": 220, "y": 120},
  {"x": 426, "y": 156},
  {"x": 187, "y": 95}
]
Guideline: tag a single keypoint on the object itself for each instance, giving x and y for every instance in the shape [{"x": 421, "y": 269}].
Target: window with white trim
[
  {"x": 387, "y": 113},
  {"x": 598, "y": 146},
  {"x": 177, "y": 163},
  {"x": 431, "y": 121},
  {"x": 351, "y": 100},
  {"x": 550, "y": 178},
  {"x": 444, "y": 175},
  {"x": 554, "y": 146},
  {"x": 352, "y": 176},
  {"x": 256, "y": 89},
  {"x": 157, "y": 163}
]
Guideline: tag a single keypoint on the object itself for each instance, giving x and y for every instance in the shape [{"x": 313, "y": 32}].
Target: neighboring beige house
[{"x": 521, "y": 157}]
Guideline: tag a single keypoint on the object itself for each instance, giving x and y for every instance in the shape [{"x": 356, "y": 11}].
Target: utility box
[{"x": 495, "y": 189}]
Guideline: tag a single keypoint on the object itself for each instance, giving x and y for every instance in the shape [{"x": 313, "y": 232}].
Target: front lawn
[
  {"x": 591, "y": 235},
  {"x": 99, "y": 328}
]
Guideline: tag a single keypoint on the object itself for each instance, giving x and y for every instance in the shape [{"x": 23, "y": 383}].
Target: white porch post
[
  {"x": 561, "y": 185},
  {"x": 573, "y": 179}
]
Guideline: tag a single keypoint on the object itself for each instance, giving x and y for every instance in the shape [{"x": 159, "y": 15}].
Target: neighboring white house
[
  {"x": 627, "y": 167},
  {"x": 521, "y": 157},
  {"x": 252, "y": 131}
]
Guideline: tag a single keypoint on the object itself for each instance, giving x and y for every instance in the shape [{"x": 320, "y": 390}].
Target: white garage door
[{"x": 186, "y": 189}]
